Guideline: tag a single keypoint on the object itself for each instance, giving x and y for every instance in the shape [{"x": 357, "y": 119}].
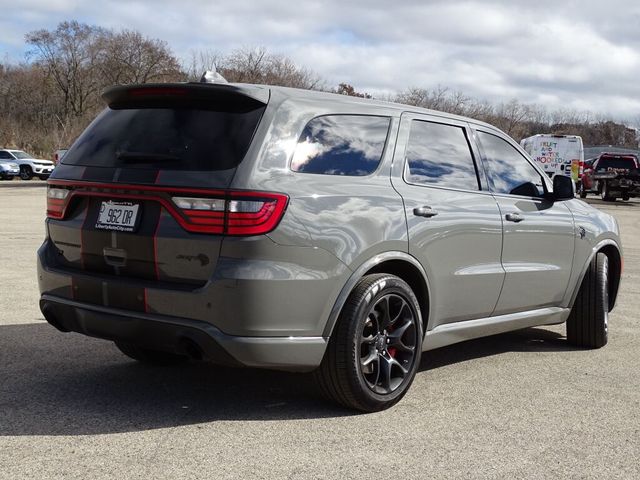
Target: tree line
[{"x": 50, "y": 97}]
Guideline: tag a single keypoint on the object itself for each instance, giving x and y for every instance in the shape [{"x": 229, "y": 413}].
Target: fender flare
[
  {"x": 596, "y": 248},
  {"x": 360, "y": 272}
]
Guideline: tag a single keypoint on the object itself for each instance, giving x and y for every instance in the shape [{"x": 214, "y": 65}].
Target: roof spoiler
[{"x": 222, "y": 94}]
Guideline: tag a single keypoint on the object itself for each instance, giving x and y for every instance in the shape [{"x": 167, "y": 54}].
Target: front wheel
[
  {"x": 26, "y": 173},
  {"x": 587, "y": 325},
  {"x": 374, "y": 351}
]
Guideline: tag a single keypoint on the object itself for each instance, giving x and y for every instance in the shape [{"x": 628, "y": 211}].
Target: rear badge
[{"x": 118, "y": 216}]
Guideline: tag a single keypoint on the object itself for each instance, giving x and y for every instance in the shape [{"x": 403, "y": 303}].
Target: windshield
[
  {"x": 622, "y": 163},
  {"x": 21, "y": 154},
  {"x": 166, "y": 138}
]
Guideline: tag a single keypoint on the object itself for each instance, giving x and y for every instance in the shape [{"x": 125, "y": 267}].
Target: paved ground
[{"x": 512, "y": 406}]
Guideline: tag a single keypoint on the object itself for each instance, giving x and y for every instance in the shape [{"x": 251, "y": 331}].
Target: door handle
[
  {"x": 424, "y": 211},
  {"x": 514, "y": 217}
]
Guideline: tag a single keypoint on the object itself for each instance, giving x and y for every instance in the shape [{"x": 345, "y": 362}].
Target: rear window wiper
[{"x": 144, "y": 157}]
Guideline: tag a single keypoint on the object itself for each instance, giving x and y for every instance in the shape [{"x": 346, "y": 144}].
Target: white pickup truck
[{"x": 29, "y": 166}]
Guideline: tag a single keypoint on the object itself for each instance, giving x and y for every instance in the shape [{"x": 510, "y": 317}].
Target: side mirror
[{"x": 563, "y": 188}]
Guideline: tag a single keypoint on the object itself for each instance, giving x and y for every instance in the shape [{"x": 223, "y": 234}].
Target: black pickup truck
[{"x": 611, "y": 175}]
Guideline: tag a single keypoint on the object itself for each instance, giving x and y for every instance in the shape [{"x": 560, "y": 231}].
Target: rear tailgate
[{"x": 141, "y": 199}]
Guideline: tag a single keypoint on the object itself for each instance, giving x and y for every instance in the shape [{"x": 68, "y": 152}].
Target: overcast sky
[{"x": 582, "y": 55}]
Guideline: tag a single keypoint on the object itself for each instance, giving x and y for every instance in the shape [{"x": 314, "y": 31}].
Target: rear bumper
[{"x": 183, "y": 336}]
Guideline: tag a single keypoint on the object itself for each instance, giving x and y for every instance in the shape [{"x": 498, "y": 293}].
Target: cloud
[{"x": 562, "y": 55}]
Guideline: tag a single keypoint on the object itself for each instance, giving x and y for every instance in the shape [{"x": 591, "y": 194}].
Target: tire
[
  {"x": 605, "y": 193},
  {"x": 25, "y": 172},
  {"x": 588, "y": 321},
  {"x": 149, "y": 356},
  {"x": 581, "y": 191},
  {"x": 363, "y": 346},
  {"x": 43, "y": 177},
  {"x": 625, "y": 197}
]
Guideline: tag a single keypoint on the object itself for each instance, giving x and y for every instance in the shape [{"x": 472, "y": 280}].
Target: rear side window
[
  {"x": 166, "y": 138},
  {"x": 440, "y": 155},
  {"x": 509, "y": 171},
  {"x": 341, "y": 145}
]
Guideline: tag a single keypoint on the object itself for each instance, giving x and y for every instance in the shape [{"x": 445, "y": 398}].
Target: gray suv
[{"x": 286, "y": 229}]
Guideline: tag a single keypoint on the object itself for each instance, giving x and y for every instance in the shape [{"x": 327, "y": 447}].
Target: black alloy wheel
[
  {"x": 388, "y": 344},
  {"x": 374, "y": 351},
  {"x": 26, "y": 173}
]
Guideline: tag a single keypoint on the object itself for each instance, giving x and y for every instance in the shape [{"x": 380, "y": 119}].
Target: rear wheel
[
  {"x": 374, "y": 352},
  {"x": 150, "y": 356},
  {"x": 625, "y": 197},
  {"x": 588, "y": 322},
  {"x": 25, "y": 172},
  {"x": 581, "y": 191},
  {"x": 605, "y": 193}
]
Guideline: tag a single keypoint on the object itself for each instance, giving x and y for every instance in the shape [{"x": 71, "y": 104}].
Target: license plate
[{"x": 119, "y": 216}]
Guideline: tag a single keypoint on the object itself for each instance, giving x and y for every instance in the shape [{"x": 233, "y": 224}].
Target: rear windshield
[
  {"x": 622, "y": 163},
  {"x": 165, "y": 138}
]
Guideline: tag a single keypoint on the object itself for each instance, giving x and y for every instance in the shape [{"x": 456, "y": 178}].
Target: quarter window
[
  {"x": 341, "y": 145},
  {"x": 439, "y": 155},
  {"x": 508, "y": 170}
]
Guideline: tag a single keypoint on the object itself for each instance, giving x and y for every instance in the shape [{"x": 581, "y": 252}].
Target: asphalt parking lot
[{"x": 518, "y": 405}]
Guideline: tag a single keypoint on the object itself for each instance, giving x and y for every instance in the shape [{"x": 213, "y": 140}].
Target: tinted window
[
  {"x": 341, "y": 145},
  {"x": 166, "y": 138},
  {"x": 6, "y": 155},
  {"x": 21, "y": 155},
  {"x": 439, "y": 155},
  {"x": 509, "y": 171},
  {"x": 622, "y": 163}
]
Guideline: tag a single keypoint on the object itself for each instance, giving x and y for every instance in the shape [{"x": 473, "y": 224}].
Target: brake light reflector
[
  {"x": 56, "y": 201},
  {"x": 239, "y": 213}
]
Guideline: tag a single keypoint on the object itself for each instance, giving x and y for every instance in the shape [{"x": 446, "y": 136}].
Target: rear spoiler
[{"x": 236, "y": 97}]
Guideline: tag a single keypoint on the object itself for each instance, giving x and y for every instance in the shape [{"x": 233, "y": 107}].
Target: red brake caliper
[{"x": 391, "y": 350}]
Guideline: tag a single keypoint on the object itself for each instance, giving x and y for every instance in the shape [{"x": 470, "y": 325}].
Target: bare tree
[
  {"x": 257, "y": 65},
  {"x": 346, "y": 89},
  {"x": 69, "y": 54},
  {"x": 128, "y": 57}
]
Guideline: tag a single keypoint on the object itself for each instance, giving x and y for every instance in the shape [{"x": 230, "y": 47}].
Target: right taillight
[{"x": 237, "y": 213}]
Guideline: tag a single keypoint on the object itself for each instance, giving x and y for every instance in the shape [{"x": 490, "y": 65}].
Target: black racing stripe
[
  {"x": 125, "y": 297},
  {"x": 138, "y": 175},
  {"x": 139, "y": 245},
  {"x": 94, "y": 241},
  {"x": 98, "y": 174},
  {"x": 88, "y": 290}
]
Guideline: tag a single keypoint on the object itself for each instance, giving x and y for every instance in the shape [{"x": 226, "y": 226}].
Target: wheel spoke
[
  {"x": 370, "y": 358},
  {"x": 395, "y": 338},
  {"x": 384, "y": 306},
  {"x": 401, "y": 310},
  {"x": 384, "y": 380},
  {"x": 368, "y": 340}
]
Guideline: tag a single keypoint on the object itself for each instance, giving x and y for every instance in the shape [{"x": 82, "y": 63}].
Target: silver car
[{"x": 278, "y": 228}]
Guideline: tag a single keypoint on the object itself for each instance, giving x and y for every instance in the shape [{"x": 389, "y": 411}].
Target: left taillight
[{"x": 57, "y": 199}]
